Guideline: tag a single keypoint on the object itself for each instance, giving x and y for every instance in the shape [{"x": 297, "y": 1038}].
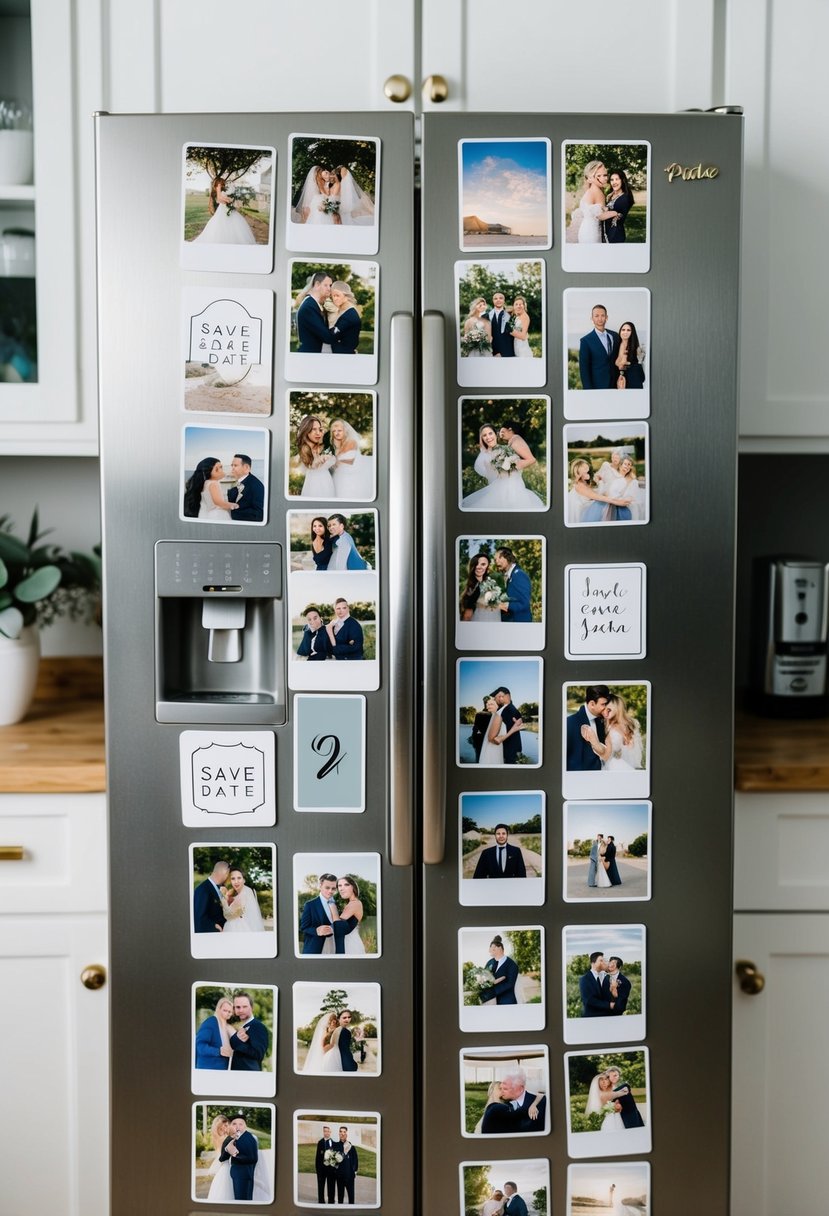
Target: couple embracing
[
  {"x": 496, "y": 731},
  {"x": 602, "y": 735},
  {"x": 485, "y": 599}
]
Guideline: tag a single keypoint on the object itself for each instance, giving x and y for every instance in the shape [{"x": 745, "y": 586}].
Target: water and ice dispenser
[{"x": 219, "y": 632}]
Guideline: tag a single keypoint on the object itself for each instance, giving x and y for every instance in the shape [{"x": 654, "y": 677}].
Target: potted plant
[{"x": 38, "y": 584}]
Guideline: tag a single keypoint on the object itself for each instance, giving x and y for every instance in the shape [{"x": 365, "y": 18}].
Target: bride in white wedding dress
[
  {"x": 492, "y": 753},
  {"x": 225, "y": 226},
  {"x": 601, "y": 1093},
  {"x": 352, "y": 472},
  {"x": 622, "y": 748},
  {"x": 506, "y": 490},
  {"x": 316, "y": 203},
  {"x": 592, "y": 208},
  {"x": 241, "y": 909},
  {"x": 356, "y": 207},
  {"x": 317, "y": 1056}
]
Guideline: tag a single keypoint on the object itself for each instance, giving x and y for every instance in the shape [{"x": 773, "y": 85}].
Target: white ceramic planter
[
  {"x": 16, "y": 158},
  {"x": 19, "y": 661}
]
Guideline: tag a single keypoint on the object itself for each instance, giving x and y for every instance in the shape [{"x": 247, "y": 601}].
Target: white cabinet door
[
  {"x": 220, "y": 57},
  {"x": 657, "y": 55},
  {"x": 54, "y": 1064},
  {"x": 780, "y": 1048}
]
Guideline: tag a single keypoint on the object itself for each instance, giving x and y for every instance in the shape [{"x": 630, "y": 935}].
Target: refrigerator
[{"x": 502, "y": 531}]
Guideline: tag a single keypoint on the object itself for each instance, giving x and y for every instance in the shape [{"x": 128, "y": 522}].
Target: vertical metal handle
[
  {"x": 433, "y": 581},
  {"x": 401, "y": 582}
]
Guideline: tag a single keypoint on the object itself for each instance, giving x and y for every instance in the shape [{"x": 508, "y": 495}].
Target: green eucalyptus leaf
[
  {"x": 11, "y": 622},
  {"x": 38, "y": 585}
]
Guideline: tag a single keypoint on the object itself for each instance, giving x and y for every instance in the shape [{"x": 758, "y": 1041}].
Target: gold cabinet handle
[
  {"x": 94, "y": 976},
  {"x": 751, "y": 980},
  {"x": 398, "y": 88},
  {"x": 12, "y": 852},
  {"x": 435, "y": 88}
]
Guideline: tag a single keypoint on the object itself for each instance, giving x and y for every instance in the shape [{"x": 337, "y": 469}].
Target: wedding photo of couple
[
  {"x": 224, "y": 475},
  {"x": 337, "y": 1029},
  {"x": 607, "y": 472},
  {"x": 227, "y": 212},
  {"x": 505, "y": 199},
  {"x": 504, "y": 1091},
  {"x": 233, "y": 1154},
  {"x": 233, "y": 901},
  {"x": 333, "y": 194},
  {"x": 607, "y": 1102},
  {"x": 604, "y": 977},
  {"x": 228, "y": 356},
  {"x": 331, "y": 446},
  {"x": 501, "y": 978},
  {"x": 622, "y": 1189},
  {"x": 505, "y": 1187},
  {"x": 607, "y": 352},
  {"x": 337, "y": 1157},
  {"x": 501, "y": 839},
  {"x": 602, "y": 865},
  {"x": 499, "y": 711},
  {"x": 605, "y": 206},
  {"x": 606, "y": 741},
  {"x": 336, "y": 631},
  {"x": 337, "y": 904},
  {"x": 332, "y": 313},
  {"x": 501, "y": 324},
  {"x": 343, "y": 540},
  {"x": 333, "y": 623},
  {"x": 503, "y": 446},
  {"x": 500, "y": 582},
  {"x": 233, "y": 1040}
]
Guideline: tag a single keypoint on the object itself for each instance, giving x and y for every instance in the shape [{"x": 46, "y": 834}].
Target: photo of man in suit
[
  {"x": 610, "y": 857},
  {"x": 347, "y": 1168},
  {"x": 594, "y": 988},
  {"x": 502, "y": 342},
  {"x": 514, "y": 1204},
  {"x": 580, "y": 755},
  {"x": 621, "y": 983},
  {"x": 517, "y": 587},
  {"x": 597, "y": 353},
  {"x": 511, "y": 741},
  {"x": 311, "y": 325},
  {"x": 250, "y": 1041},
  {"x": 208, "y": 916},
  {"x": 315, "y": 644},
  {"x": 501, "y": 860},
  {"x": 326, "y": 1174},
  {"x": 241, "y": 1148},
  {"x": 248, "y": 493},
  {"x": 345, "y": 633}
]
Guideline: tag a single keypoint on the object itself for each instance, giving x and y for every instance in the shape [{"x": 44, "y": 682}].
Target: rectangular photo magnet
[
  {"x": 603, "y": 983},
  {"x": 333, "y": 315},
  {"x": 329, "y": 753},
  {"x": 607, "y": 474},
  {"x": 225, "y": 475},
  {"x": 504, "y": 1091},
  {"x": 608, "y": 1102},
  {"x": 337, "y": 905},
  {"x": 228, "y": 778},
  {"x": 233, "y": 904},
  {"x": 335, "y": 188},
  {"x": 607, "y": 333},
  {"x": 503, "y": 447},
  {"x": 605, "y": 206},
  {"x": 337, "y": 1155},
  {"x": 498, "y": 712},
  {"x": 486, "y": 1186},
  {"x": 501, "y": 979},
  {"x": 622, "y": 1187},
  {"x": 333, "y": 631},
  {"x": 331, "y": 446},
  {"x": 505, "y": 194},
  {"x": 337, "y": 1030},
  {"x": 332, "y": 543},
  {"x": 606, "y": 740},
  {"x": 501, "y": 324},
  {"x": 500, "y": 587},
  {"x": 607, "y": 852},
  {"x": 232, "y": 1152},
  {"x": 228, "y": 350},
  {"x": 234, "y": 1040},
  {"x": 605, "y": 610},
  {"x": 502, "y": 849},
  {"x": 227, "y": 208}
]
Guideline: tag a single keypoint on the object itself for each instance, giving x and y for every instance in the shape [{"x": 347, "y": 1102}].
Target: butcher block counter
[
  {"x": 780, "y": 754},
  {"x": 58, "y": 748}
]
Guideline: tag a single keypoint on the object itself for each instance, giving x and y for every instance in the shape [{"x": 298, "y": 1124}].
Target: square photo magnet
[
  {"x": 337, "y": 905},
  {"x": 337, "y": 1158},
  {"x": 605, "y": 206},
  {"x": 605, "y": 610},
  {"x": 337, "y": 1030},
  {"x": 606, "y": 740},
  {"x": 234, "y": 1039},
  {"x": 500, "y": 584},
  {"x": 501, "y": 324},
  {"x": 603, "y": 983},
  {"x": 505, "y": 194},
  {"x": 522, "y": 1181},
  {"x": 227, "y": 208},
  {"x": 332, "y": 322},
  {"x": 335, "y": 189},
  {"x": 505, "y": 1091},
  {"x": 501, "y": 979},
  {"x": 502, "y": 849},
  {"x": 228, "y": 778},
  {"x": 228, "y": 350},
  {"x": 607, "y": 343},
  {"x": 608, "y": 1102},
  {"x": 232, "y": 1152},
  {"x": 618, "y": 833},
  {"x": 225, "y": 475},
  {"x": 624, "y": 1186},
  {"x": 607, "y": 474},
  {"x": 233, "y": 901}
]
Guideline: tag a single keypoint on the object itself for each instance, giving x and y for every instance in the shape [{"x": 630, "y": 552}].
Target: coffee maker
[{"x": 789, "y": 635}]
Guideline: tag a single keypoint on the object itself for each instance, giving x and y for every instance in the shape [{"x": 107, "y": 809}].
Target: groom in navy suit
[
  {"x": 347, "y": 1169},
  {"x": 597, "y": 353},
  {"x": 208, "y": 916},
  {"x": 316, "y": 924},
  {"x": 514, "y": 1204},
  {"x": 501, "y": 860},
  {"x": 242, "y": 1149},
  {"x": 250, "y": 1040},
  {"x": 580, "y": 755},
  {"x": 594, "y": 988},
  {"x": 517, "y": 587},
  {"x": 248, "y": 493},
  {"x": 513, "y": 722},
  {"x": 311, "y": 325}
]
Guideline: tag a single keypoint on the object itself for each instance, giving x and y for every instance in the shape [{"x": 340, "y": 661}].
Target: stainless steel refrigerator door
[
  {"x": 688, "y": 548},
  {"x": 139, "y": 205}
]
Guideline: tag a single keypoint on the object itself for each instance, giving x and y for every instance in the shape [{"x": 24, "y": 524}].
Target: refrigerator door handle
[
  {"x": 401, "y": 583},
  {"x": 433, "y": 581}
]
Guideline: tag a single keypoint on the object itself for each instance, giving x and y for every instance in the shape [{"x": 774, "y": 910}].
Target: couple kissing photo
[
  {"x": 233, "y": 1153},
  {"x": 605, "y": 211},
  {"x": 337, "y": 904},
  {"x": 500, "y": 583},
  {"x": 504, "y": 1091},
  {"x": 501, "y": 324},
  {"x": 224, "y": 473},
  {"x": 233, "y": 901},
  {"x": 332, "y": 314},
  {"x": 337, "y": 1029},
  {"x": 233, "y": 1040},
  {"x": 607, "y": 865},
  {"x": 499, "y": 711},
  {"x": 334, "y": 191},
  {"x": 607, "y": 1103},
  {"x": 606, "y": 740},
  {"x": 604, "y": 977}
]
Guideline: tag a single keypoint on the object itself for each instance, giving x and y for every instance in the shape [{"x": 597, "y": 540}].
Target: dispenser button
[
  {"x": 798, "y": 684},
  {"x": 801, "y": 618}
]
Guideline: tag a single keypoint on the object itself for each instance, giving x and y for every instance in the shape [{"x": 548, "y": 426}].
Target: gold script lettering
[{"x": 691, "y": 173}]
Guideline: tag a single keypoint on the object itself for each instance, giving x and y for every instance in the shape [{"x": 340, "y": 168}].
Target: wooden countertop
[
  {"x": 779, "y": 754},
  {"x": 58, "y": 748}
]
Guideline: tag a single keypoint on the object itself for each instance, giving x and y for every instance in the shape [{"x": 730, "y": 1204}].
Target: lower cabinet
[{"x": 54, "y": 1039}]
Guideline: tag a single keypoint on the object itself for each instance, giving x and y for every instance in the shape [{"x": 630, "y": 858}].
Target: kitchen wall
[{"x": 65, "y": 491}]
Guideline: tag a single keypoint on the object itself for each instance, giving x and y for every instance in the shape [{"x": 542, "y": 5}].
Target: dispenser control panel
[{"x": 209, "y": 568}]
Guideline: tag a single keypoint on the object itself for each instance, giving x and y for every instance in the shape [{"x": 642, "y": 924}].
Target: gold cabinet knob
[
  {"x": 751, "y": 980},
  {"x": 435, "y": 88},
  {"x": 94, "y": 977},
  {"x": 11, "y": 852},
  {"x": 398, "y": 88}
]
